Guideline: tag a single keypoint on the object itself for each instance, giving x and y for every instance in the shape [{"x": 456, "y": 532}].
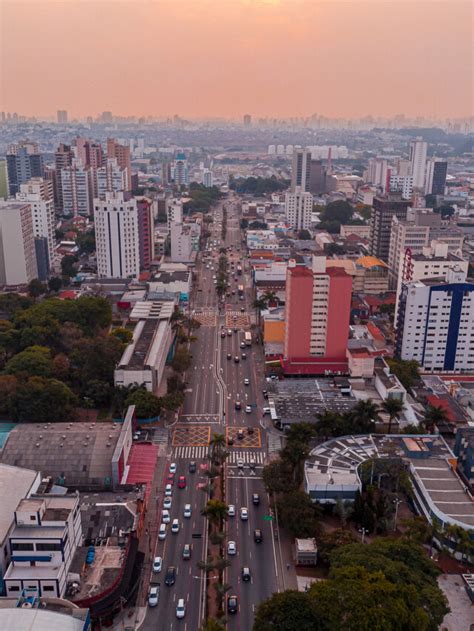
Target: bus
[{"x": 248, "y": 338}]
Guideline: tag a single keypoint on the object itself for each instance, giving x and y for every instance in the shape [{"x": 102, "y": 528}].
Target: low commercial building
[
  {"x": 306, "y": 552},
  {"x": 30, "y": 611},
  {"x": 172, "y": 282}
]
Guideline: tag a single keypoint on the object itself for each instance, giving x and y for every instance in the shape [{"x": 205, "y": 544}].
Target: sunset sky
[{"x": 200, "y": 58}]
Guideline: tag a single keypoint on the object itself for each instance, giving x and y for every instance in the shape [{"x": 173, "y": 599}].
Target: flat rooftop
[
  {"x": 43, "y": 619},
  {"x": 15, "y": 484},
  {"x": 73, "y": 454}
]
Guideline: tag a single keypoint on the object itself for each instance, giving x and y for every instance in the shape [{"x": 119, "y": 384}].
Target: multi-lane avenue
[{"x": 225, "y": 375}]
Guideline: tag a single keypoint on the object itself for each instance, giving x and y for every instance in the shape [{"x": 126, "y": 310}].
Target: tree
[
  {"x": 146, "y": 404},
  {"x": 68, "y": 263},
  {"x": 218, "y": 448},
  {"x": 330, "y": 540},
  {"x": 295, "y": 452},
  {"x": 123, "y": 334},
  {"x": 405, "y": 370},
  {"x": 215, "y": 511},
  {"x": 86, "y": 242},
  {"x": 362, "y": 417},
  {"x": 36, "y": 288},
  {"x": 305, "y": 235},
  {"x": 42, "y": 400},
  {"x": 287, "y": 611},
  {"x": 33, "y": 361},
  {"x": 212, "y": 624},
  {"x": 8, "y": 386},
  {"x": 393, "y": 408},
  {"x": 298, "y": 514},
  {"x": 55, "y": 283},
  {"x": 434, "y": 416},
  {"x": 277, "y": 476},
  {"x": 98, "y": 391},
  {"x": 270, "y": 297},
  {"x": 329, "y": 423},
  {"x": 181, "y": 360},
  {"x": 339, "y": 210}
]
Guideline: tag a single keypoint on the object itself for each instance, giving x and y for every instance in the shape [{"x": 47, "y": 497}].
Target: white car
[
  {"x": 246, "y": 382},
  {"x": 162, "y": 532},
  {"x": 167, "y": 502},
  {"x": 231, "y": 510},
  {"x": 173, "y": 467},
  {"x": 175, "y": 526},
  {"x": 244, "y": 513},
  {"x": 168, "y": 490},
  {"x": 187, "y": 510},
  {"x": 266, "y": 411},
  {"x": 180, "y": 608},
  {"x": 248, "y": 409},
  {"x": 157, "y": 564},
  {"x": 240, "y": 464},
  {"x": 153, "y": 595},
  {"x": 231, "y": 548},
  {"x": 165, "y": 516}
]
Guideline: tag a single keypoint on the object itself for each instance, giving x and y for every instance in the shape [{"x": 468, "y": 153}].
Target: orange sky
[{"x": 228, "y": 57}]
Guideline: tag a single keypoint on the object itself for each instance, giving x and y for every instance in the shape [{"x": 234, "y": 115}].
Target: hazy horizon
[{"x": 225, "y": 58}]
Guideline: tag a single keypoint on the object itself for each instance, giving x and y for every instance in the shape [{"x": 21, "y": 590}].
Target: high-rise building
[
  {"x": 436, "y": 325},
  {"x": 207, "y": 178},
  {"x": 38, "y": 193},
  {"x": 181, "y": 237},
  {"x": 377, "y": 172},
  {"x": 117, "y": 236},
  {"x": 298, "y": 210},
  {"x": 146, "y": 235},
  {"x": 247, "y": 120},
  {"x": 77, "y": 189},
  {"x": 110, "y": 177},
  {"x": 63, "y": 157},
  {"x": 4, "y": 192},
  {"x": 174, "y": 211},
  {"x": 90, "y": 153},
  {"x": 179, "y": 170},
  {"x": 122, "y": 154},
  {"x": 24, "y": 161},
  {"x": 317, "y": 313},
  {"x": 436, "y": 171},
  {"x": 317, "y": 177},
  {"x": 301, "y": 170},
  {"x": 402, "y": 184},
  {"x": 17, "y": 244},
  {"x": 418, "y": 153},
  {"x": 62, "y": 117},
  {"x": 384, "y": 208}
]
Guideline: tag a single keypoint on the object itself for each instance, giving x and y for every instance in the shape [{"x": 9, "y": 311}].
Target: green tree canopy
[
  {"x": 33, "y": 361},
  {"x": 42, "y": 400},
  {"x": 146, "y": 404},
  {"x": 36, "y": 288},
  {"x": 287, "y": 611},
  {"x": 298, "y": 514},
  {"x": 406, "y": 371}
]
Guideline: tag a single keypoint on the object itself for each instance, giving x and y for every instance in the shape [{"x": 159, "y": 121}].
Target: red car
[
  {"x": 182, "y": 482},
  {"x": 170, "y": 479}
]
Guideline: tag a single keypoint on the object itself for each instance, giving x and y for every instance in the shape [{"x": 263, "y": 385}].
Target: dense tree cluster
[
  {"x": 202, "y": 198},
  {"x": 258, "y": 185}
]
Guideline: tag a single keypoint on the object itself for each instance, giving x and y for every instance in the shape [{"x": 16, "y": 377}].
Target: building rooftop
[
  {"x": 371, "y": 261},
  {"x": 52, "y": 617},
  {"x": 15, "y": 484},
  {"x": 171, "y": 277},
  {"x": 73, "y": 454},
  {"x": 148, "y": 337}
]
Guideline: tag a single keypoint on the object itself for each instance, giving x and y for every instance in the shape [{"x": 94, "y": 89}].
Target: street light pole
[
  {"x": 363, "y": 531},
  {"x": 397, "y": 503}
]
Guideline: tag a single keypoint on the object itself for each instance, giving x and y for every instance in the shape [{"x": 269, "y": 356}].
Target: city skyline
[{"x": 280, "y": 58}]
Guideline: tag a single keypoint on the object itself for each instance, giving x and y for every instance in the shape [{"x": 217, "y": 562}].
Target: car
[
  {"x": 246, "y": 381},
  {"x": 235, "y": 329},
  {"x": 245, "y": 574},
  {"x": 165, "y": 516},
  {"x": 240, "y": 464},
  {"x": 162, "y": 532},
  {"x": 229, "y": 355},
  {"x": 232, "y": 604},
  {"x": 233, "y": 292},
  {"x": 240, "y": 434},
  {"x": 170, "y": 577},
  {"x": 242, "y": 309},
  {"x": 231, "y": 548},
  {"x": 244, "y": 355},
  {"x": 231, "y": 510},
  {"x": 255, "y": 499},
  {"x": 230, "y": 441},
  {"x": 192, "y": 467},
  {"x": 137, "y": 435},
  {"x": 229, "y": 332},
  {"x": 173, "y": 468},
  {"x": 244, "y": 513},
  {"x": 175, "y": 526},
  {"x": 257, "y": 535},
  {"x": 157, "y": 563},
  {"x": 187, "y": 552},
  {"x": 248, "y": 409},
  {"x": 168, "y": 490},
  {"x": 252, "y": 465},
  {"x": 170, "y": 479},
  {"x": 222, "y": 333},
  {"x": 180, "y": 608},
  {"x": 182, "y": 482},
  {"x": 265, "y": 394},
  {"x": 238, "y": 405},
  {"x": 153, "y": 595},
  {"x": 187, "y": 511},
  {"x": 236, "y": 359},
  {"x": 250, "y": 430},
  {"x": 242, "y": 344},
  {"x": 167, "y": 502},
  {"x": 266, "y": 411},
  {"x": 215, "y": 282}
]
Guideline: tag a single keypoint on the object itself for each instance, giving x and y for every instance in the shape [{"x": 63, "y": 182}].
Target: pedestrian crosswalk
[
  {"x": 201, "y": 453},
  {"x": 160, "y": 436}
]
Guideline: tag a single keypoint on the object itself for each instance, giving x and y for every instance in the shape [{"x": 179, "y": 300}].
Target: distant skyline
[{"x": 225, "y": 58}]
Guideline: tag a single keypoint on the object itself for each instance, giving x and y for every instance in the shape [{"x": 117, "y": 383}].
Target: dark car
[
  {"x": 236, "y": 359},
  {"x": 244, "y": 355},
  {"x": 232, "y": 604},
  {"x": 238, "y": 405},
  {"x": 250, "y": 430},
  {"x": 255, "y": 499},
  {"x": 257, "y": 535},
  {"x": 229, "y": 355},
  {"x": 246, "y": 576},
  {"x": 170, "y": 577},
  {"x": 265, "y": 394},
  {"x": 192, "y": 467}
]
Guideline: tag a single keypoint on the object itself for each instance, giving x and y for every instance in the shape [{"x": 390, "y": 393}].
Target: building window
[{"x": 22, "y": 547}]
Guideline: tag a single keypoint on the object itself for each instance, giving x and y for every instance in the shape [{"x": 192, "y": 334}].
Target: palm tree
[
  {"x": 270, "y": 297},
  {"x": 222, "y": 563},
  {"x": 329, "y": 423},
  {"x": 218, "y": 445},
  {"x": 207, "y": 565},
  {"x": 212, "y": 624},
  {"x": 393, "y": 408},
  {"x": 363, "y": 415},
  {"x": 258, "y": 305},
  {"x": 434, "y": 416},
  {"x": 215, "y": 511}
]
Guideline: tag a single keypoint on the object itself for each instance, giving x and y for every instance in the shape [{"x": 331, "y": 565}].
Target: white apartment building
[
  {"x": 402, "y": 184},
  {"x": 182, "y": 238},
  {"x": 298, "y": 210},
  {"x": 77, "y": 189},
  {"x": 377, "y": 172},
  {"x": 207, "y": 178},
  {"x": 437, "y": 323},
  {"x": 17, "y": 244},
  {"x": 42, "y": 544},
  {"x": 435, "y": 261},
  {"x": 174, "y": 211},
  {"x": 38, "y": 193},
  {"x": 117, "y": 236},
  {"x": 111, "y": 177},
  {"x": 418, "y": 153}
]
